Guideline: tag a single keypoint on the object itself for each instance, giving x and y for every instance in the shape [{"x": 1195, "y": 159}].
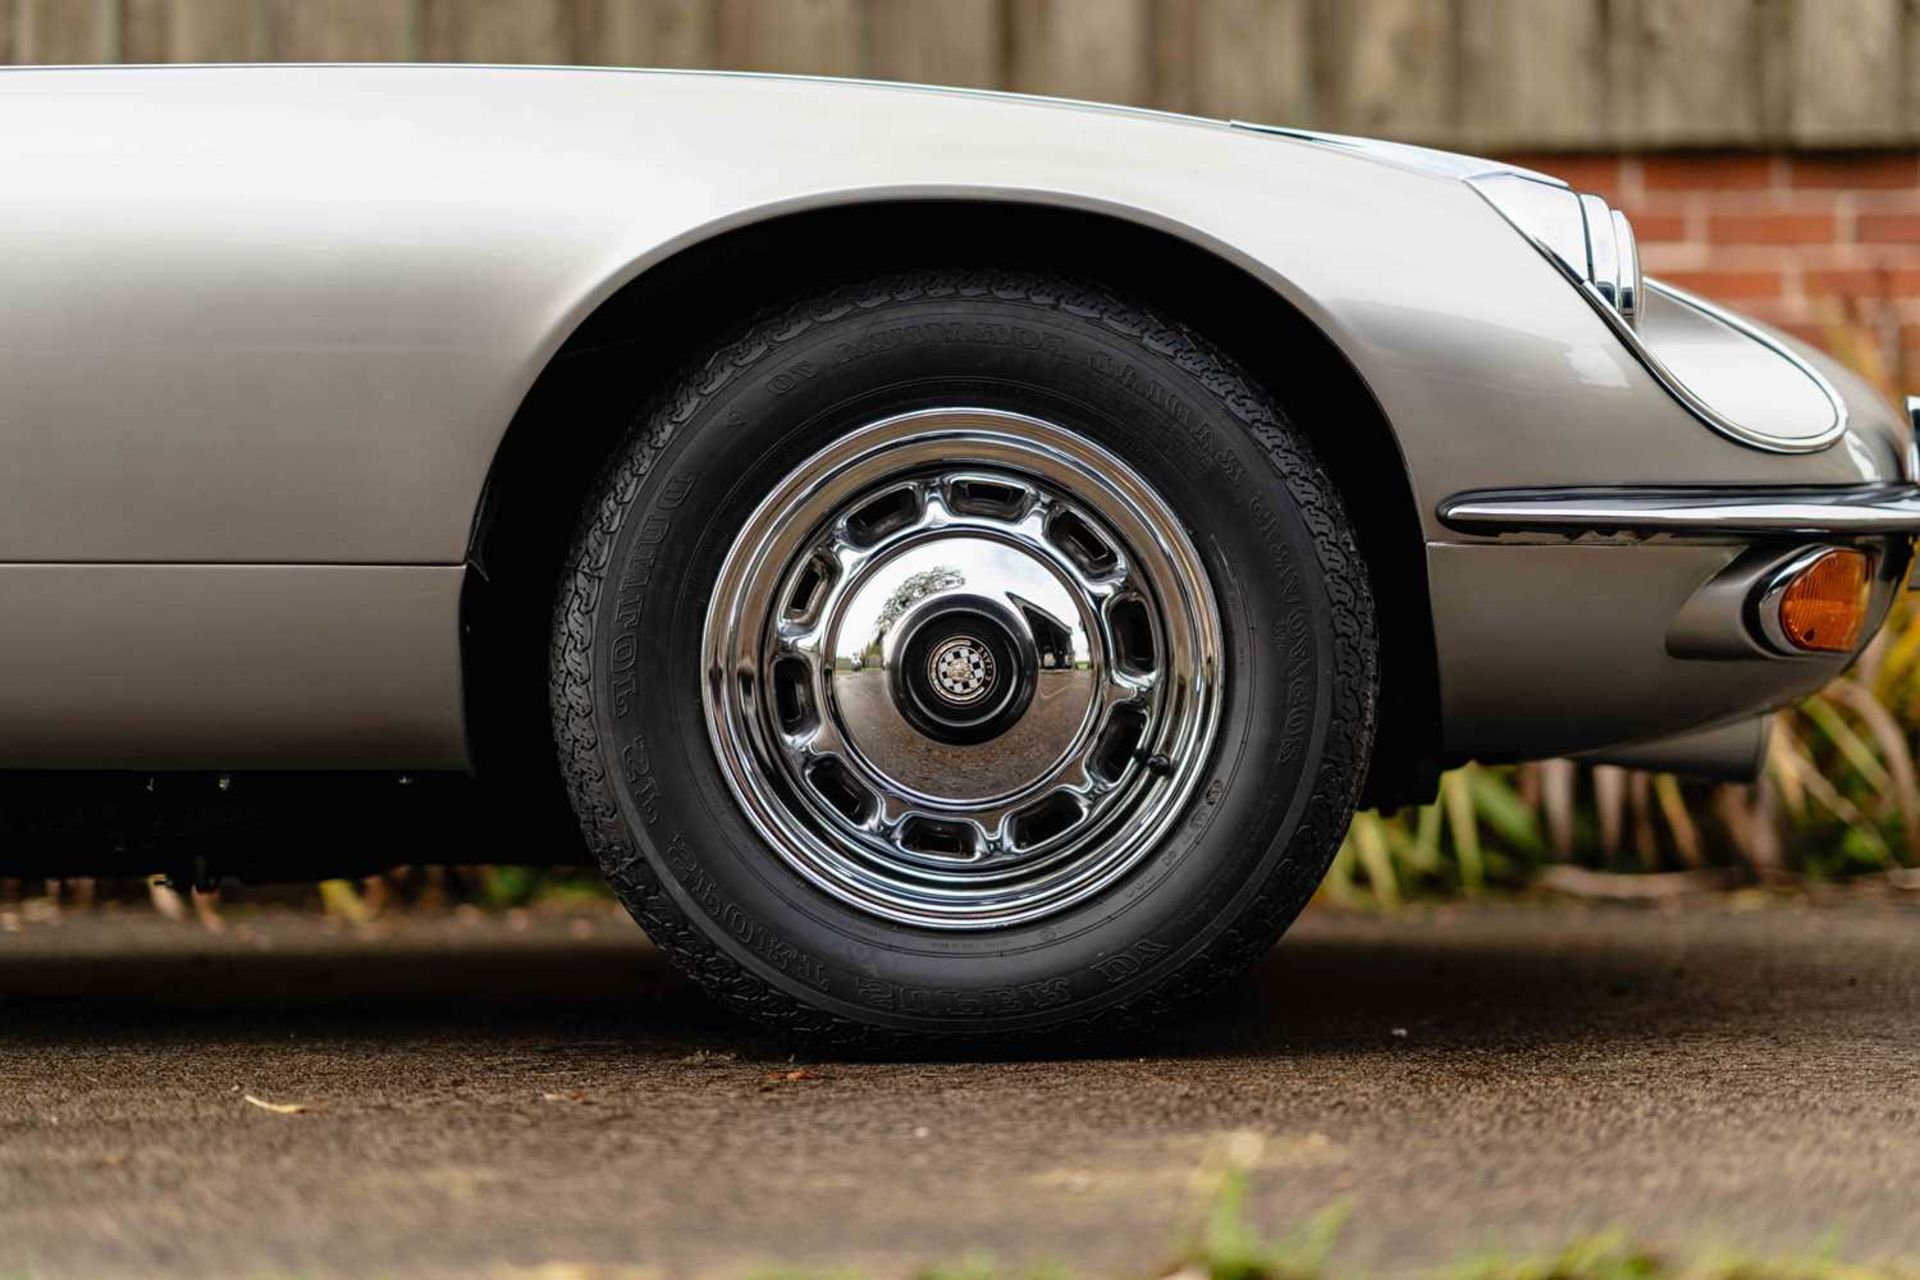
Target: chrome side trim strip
[{"x": 1864, "y": 510}]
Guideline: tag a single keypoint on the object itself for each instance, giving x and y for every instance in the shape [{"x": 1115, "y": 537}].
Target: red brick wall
[{"x": 1826, "y": 245}]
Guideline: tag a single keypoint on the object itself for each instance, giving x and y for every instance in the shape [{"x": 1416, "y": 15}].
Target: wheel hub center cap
[
  {"x": 962, "y": 671},
  {"x": 954, "y": 669}
]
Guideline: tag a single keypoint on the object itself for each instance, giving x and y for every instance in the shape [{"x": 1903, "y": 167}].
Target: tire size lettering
[
  {"x": 778, "y": 952},
  {"x": 636, "y": 767},
  {"x": 955, "y": 1003},
  {"x": 1125, "y": 964}
]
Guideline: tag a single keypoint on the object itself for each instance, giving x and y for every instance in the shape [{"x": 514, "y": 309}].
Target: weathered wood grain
[
  {"x": 1687, "y": 73},
  {"x": 1388, "y": 67},
  {"x": 340, "y": 30},
  {"x": 1479, "y": 74},
  {"x": 650, "y": 33},
  {"x": 1845, "y": 68},
  {"x": 65, "y": 32},
  {"x": 1096, "y": 49},
  {"x": 538, "y": 31},
  {"x": 1911, "y": 86},
  {"x": 1247, "y": 59},
  {"x": 937, "y": 42},
  {"x": 191, "y": 31},
  {"x": 1532, "y": 72},
  {"x": 811, "y": 37}
]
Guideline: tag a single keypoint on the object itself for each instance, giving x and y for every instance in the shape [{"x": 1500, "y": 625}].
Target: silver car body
[{"x": 263, "y": 329}]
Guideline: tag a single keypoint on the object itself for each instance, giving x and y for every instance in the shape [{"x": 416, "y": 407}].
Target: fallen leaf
[{"x": 278, "y": 1108}]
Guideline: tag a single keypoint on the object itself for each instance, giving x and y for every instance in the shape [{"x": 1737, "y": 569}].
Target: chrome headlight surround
[
  {"x": 1591, "y": 242},
  {"x": 1593, "y": 246}
]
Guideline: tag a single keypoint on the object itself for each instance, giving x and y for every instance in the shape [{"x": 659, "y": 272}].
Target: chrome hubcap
[{"x": 962, "y": 668}]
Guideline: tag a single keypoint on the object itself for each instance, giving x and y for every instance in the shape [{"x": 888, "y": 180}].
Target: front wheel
[{"x": 963, "y": 653}]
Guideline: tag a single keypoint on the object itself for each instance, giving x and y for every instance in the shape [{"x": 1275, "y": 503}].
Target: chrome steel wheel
[{"x": 962, "y": 668}]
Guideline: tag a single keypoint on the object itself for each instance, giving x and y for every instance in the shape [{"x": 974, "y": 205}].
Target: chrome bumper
[{"x": 1854, "y": 511}]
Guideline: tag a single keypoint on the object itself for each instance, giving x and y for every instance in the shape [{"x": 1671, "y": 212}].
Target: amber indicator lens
[{"x": 1825, "y": 606}]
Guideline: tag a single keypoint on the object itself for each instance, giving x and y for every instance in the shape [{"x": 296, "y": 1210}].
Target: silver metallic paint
[
  {"x": 1732, "y": 752},
  {"x": 1562, "y": 647},
  {"x": 224, "y": 666},
  {"x": 283, "y": 315},
  {"x": 341, "y": 281}
]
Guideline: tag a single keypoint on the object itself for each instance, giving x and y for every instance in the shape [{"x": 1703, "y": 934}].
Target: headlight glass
[{"x": 1581, "y": 234}]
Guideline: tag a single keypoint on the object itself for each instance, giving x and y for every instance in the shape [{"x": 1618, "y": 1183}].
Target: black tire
[{"x": 1296, "y": 717}]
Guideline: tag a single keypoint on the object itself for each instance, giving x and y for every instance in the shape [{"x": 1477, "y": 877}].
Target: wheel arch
[{"x": 610, "y": 364}]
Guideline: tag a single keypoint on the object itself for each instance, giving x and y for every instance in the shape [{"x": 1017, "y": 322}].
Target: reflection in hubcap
[{"x": 940, "y": 656}]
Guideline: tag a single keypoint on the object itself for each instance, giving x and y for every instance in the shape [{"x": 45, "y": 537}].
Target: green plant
[{"x": 1229, "y": 1248}]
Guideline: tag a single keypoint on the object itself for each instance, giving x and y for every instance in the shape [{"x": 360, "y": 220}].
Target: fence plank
[
  {"x": 1487, "y": 74},
  {"x": 1096, "y": 49},
  {"x": 497, "y": 31},
  {"x": 190, "y": 31},
  {"x": 650, "y": 33},
  {"x": 339, "y": 30},
  {"x": 1174, "y": 75},
  {"x": 64, "y": 32},
  {"x": 145, "y": 30},
  {"x": 1845, "y": 69},
  {"x": 936, "y": 41},
  {"x": 1388, "y": 68},
  {"x": 1912, "y": 86},
  {"x": 812, "y": 37},
  {"x": 1687, "y": 74},
  {"x": 1532, "y": 72},
  {"x": 1245, "y": 59}
]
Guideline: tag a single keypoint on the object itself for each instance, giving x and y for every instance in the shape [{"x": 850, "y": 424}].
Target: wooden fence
[{"x": 1494, "y": 74}]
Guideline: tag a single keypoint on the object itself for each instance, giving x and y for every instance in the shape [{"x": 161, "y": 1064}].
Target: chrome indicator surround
[
  {"x": 1765, "y": 616},
  {"x": 1594, "y": 265},
  {"x": 1845, "y": 511}
]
